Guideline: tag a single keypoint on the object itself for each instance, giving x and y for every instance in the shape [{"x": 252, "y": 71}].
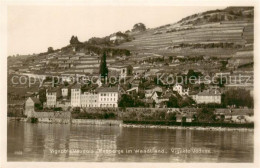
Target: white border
[{"x": 3, "y": 86}]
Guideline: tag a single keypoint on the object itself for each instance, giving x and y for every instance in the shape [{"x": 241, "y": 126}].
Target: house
[
  {"x": 122, "y": 71},
  {"x": 156, "y": 95},
  {"x": 126, "y": 71},
  {"x": 52, "y": 95},
  {"x": 183, "y": 118},
  {"x": 179, "y": 88},
  {"x": 236, "y": 115},
  {"x": 163, "y": 100},
  {"x": 208, "y": 96},
  {"x": 65, "y": 91},
  {"x": 149, "y": 92},
  {"x": 89, "y": 99},
  {"x": 132, "y": 91},
  {"x": 101, "y": 97},
  {"x": 107, "y": 97},
  {"x": 117, "y": 36},
  {"x": 135, "y": 82},
  {"x": 75, "y": 95},
  {"x": 30, "y": 106}
]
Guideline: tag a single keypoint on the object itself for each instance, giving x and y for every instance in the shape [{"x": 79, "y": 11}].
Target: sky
[{"x": 32, "y": 29}]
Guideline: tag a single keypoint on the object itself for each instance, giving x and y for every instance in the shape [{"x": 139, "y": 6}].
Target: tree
[
  {"x": 192, "y": 73},
  {"x": 50, "y": 50},
  {"x": 170, "y": 58},
  {"x": 103, "y": 70},
  {"x": 74, "y": 40},
  {"x": 186, "y": 101},
  {"x": 139, "y": 27},
  {"x": 206, "y": 115},
  {"x": 66, "y": 83},
  {"x": 173, "y": 102},
  {"x": 42, "y": 95},
  {"x": 126, "y": 101},
  {"x": 238, "y": 97}
]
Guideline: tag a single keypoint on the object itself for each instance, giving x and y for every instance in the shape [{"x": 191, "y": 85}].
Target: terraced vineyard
[{"x": 222, "y": 38}]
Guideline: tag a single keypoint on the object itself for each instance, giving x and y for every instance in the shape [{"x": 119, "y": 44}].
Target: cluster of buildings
[
  {"x": 74, "y": 97},
  {"x": 134, "y": 68}
]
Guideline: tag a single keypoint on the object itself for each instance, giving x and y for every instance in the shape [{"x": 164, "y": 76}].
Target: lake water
[{"x": 88, "y": 143}]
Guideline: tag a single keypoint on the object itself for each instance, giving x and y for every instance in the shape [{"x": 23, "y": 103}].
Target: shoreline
[
  {"x": 120, "y": 123},
  {"x": 207, "y": 128}
]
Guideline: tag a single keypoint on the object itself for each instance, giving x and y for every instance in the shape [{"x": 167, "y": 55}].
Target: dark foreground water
[{"x": 87, "y": 143}]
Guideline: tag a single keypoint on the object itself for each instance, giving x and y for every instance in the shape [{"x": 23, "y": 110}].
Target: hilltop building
[{"x": 116, "y": 36}]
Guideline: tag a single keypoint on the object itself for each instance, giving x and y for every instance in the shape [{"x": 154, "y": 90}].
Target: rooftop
[
  {"x": 107, "y": 89},
  {"x": 76, "y": 86},
  {"x": 209, "y": 93},
  {"x": 35, "y": 100}
]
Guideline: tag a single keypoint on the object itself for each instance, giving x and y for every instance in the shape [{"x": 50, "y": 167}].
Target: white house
[
  {"x": 75, "y": 95},
  {"x": 29, "y": 106},
  {"x": 149, "y": 92},
  {"x": 116, "y": 36},
  {"x": 102, "y": 97},
  {"x": 179, "y": 88},
  {"x": 108, "y": 97},
  {"x": 51, "y": 96},
  {"x": 89, "y": 99},
  {"x": 64, "y": 92},
  {"x": 156, "y": 95},
  {"x": 208, "y": 96}
]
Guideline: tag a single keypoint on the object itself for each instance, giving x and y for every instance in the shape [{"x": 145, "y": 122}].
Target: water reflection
[{"x": 63, "y": 142}]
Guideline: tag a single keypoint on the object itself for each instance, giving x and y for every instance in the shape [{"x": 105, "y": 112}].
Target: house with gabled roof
[{"x": 30, "y": 106}]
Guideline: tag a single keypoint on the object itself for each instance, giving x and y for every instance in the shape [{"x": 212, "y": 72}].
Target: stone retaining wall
[{"x": 96, "y": 122}]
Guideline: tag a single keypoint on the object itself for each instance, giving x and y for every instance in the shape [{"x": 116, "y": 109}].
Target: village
[
  {"x": 167, "y": 67},
  {"x": 126, "y": 83},
  {"x": 135, "y": 86}
]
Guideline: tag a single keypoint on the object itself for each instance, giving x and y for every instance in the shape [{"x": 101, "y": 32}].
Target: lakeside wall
[
  {"x": 70, "y": 121},
  {"x": 96, "y": 122},
  {"x": 190, "y": 124},
  {"x": 52, "y": 114},
  {"x": 115, "y": 116},
  {"x": 187, "y": 110}
]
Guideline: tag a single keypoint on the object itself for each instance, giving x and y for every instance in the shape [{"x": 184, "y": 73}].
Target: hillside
[
  {"x": 218, "y": 33},
  {"x": 224, "y": 34}
]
